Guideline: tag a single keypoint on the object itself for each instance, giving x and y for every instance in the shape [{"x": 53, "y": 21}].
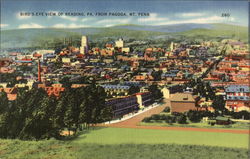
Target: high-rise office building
[{"x": 84, "y": 45}]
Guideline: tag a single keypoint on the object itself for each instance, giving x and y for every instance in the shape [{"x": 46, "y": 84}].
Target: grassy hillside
[
  {"x": 123, "y": 143},
  {"x": 219, "y": 30},
  {"x": 29, "y": 37},
  {"x": 36, "y": 37}
]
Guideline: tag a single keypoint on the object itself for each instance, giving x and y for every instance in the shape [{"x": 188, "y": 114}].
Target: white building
[
  {"x": 84, "y": 45},
  {"x": 119, "y": 43}
]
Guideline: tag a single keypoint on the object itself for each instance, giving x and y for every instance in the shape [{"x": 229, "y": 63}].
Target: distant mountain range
[
  {"x": 34, "y": 37},
  {"x": 167, "y": 28}
]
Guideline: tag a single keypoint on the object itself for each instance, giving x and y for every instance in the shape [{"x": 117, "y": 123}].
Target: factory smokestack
[{"x": 39, "y": 71}]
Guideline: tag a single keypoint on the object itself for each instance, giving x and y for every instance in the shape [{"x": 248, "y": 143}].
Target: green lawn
[
  {"x": 126, "y": 143},
  {"x": 237, "y": 125},
  {"x": 146, "y": 136}
]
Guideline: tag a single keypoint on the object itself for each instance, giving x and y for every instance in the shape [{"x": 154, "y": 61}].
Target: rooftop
[{"x": 182, "y": 97}]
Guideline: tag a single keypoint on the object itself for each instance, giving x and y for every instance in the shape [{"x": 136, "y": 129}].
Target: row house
[
  {"x": 237, "y": 97},
  {"x": 116, "y": 90},
  {"x": 144, "y": 99},
  {"x": 123, "y": 106}
]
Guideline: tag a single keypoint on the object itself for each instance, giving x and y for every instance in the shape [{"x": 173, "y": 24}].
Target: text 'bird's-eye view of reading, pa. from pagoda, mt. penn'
[{"x": 123, "y": 79}]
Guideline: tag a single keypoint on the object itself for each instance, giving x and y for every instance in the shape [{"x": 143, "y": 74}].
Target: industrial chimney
[{"x": 39, "y": 71}]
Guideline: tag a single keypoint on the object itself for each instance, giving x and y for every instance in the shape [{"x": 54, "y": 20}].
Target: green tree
[
  {"x": 182, "y": 119},
  {"x": 156, "y": 93},
  {"x": 133, "y": 89},
  {"x": 194, "y": 116},
  {"x": 65, "y": 81},
  {"x": 3, "y": 102},
  {"x": 42, "y": 121},
  {"x": 219, "y": 103},
  {"x": 30, "y": 109},
  {"x": 72, "y": 110},
  {"x": 157, "y": 75},
  {"x": 60, "y": 111},
  {"x": 4, "y": 106}
]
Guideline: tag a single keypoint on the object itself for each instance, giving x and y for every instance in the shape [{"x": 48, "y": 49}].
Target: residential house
[{"x": 237, "y": 97}]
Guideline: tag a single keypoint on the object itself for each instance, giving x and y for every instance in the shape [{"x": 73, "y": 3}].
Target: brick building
[{"x": 182, "y": 102}]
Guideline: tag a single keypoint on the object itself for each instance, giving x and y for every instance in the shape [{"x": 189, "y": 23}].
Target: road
[{"x": 134, "y": 121}]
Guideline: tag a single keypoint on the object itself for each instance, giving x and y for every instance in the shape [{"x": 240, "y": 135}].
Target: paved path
[{"x": 134, "y": 121}]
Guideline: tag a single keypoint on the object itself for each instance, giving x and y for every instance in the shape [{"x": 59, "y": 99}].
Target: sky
[{"x": 154, "y": 12}]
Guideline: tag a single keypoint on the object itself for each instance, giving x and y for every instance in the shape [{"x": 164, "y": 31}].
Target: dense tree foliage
[
  {"x": 9, "y": 78},
  {"x": 35, "y": 115},
  {"x": 239, "y": 115},
  {"x": 219, "y": 103},
  {"x": 156, "y": 93},
  {"x": 182, "y": 119},
  {"x": 133, "y": 89},
  {"x": 194, "y": 116},
  {"x": 157, "y": 75}
]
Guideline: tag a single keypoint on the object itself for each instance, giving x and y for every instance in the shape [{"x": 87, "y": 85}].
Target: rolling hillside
[{"x": 36, "y": 37}]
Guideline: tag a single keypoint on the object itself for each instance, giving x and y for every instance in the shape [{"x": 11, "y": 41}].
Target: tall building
[
  {"x": 171, "y": 46},
  {"x": 84, "y": 45}
]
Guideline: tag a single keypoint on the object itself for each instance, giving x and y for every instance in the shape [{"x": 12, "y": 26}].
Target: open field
[
  {"x": 237, "y": 125},
  {"x": 124, "y": 143},
  {"x": 148, "y": 136}
]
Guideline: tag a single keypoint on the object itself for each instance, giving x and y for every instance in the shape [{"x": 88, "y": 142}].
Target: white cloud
[
  {"x": 152, "y": 18},
  {"x": 109, "y": 25},
  {"x": 69, "y": 18},
  {"x": 69, "y": 26},
  {"x": 84, "y": 20},
  {"x": 4, "y": 25},
  {"x": 21, "y": 15},
  {"x": 191, "y": 14},
  {"x": 77, "y": 26},
  {"x": 212, "y": 19},
  {"x": 59, "y": 26},
  {"x": 232, "y": 19},
  {"x": 31, "y": 25},
  {"x": 112, "y": 21}
]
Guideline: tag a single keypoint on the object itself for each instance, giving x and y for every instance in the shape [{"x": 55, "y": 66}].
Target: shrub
[
  {"x": 182, "y": 119},
  {"x": 170, "y": 119},
  {"x": 240, "y": 115},
  {"x": 176, "y": 113},
  {"x": 147, "y": 120},
  {"x": 194, "y": 116},
  {"x": 156, "y": 117},
  {"x": 163, "y": 117},
  {"x": 212, "y": 123},
  {"x": 207, "y": 114}
]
